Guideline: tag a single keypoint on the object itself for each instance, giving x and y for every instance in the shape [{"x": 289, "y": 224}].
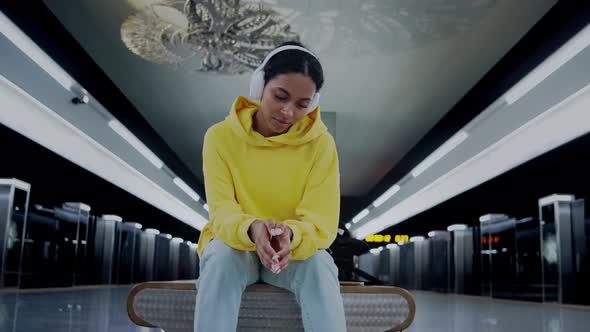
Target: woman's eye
[
  {"x": 280, "y": 97},
  {"x": 303, "y": 106}
]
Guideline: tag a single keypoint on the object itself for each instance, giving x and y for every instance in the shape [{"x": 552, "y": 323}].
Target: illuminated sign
[
  {"x": 401, "y": 238},
  {"x": 490, "y": 239},
  {"x": 378, "y": 238},
  {"x": 387, "y": 238}
]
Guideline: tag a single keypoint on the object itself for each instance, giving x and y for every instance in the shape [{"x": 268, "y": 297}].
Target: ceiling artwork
[
  {"x": 233, "y": 36},
  {"x": 227, "y": 36}
]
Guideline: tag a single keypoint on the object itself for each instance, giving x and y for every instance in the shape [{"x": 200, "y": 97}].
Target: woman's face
[{"x": 285, "y": 100}]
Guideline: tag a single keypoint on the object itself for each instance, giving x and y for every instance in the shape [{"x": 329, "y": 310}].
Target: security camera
[{"x": 83, "y": 99}]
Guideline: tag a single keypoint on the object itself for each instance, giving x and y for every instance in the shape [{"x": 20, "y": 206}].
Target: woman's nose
[{"x": 287, "y": 110}]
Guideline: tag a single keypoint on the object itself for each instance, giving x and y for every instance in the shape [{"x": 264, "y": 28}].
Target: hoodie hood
[{"x": 240, "y": 121}]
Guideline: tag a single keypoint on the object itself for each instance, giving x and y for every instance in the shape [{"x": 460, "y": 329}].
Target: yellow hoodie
[{"x": 292, "y": 178}]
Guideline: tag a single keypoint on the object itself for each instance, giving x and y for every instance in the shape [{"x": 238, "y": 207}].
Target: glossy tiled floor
[
  {"x": 92, "y": 310},
  {"x": 442, "y": 313},
  {"x": 104, "y": 310}
]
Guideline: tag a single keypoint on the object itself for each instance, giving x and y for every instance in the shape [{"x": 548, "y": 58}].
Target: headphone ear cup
[
  {"x": 257, "y": 85},
  {"x": 315, "y": 101}
]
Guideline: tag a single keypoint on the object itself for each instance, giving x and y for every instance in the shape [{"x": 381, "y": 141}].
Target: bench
[{"x": 171, "y": 306}]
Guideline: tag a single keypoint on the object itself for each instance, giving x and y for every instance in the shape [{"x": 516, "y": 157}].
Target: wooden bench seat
[{"x": 171, "y": 306}]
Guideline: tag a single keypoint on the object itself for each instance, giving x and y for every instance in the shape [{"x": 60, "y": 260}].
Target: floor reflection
[
  {"x": 441, "y": 313},
  {"x": 93, "y": 310}
]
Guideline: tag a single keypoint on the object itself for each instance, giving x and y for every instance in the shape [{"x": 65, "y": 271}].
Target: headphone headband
[{"x": 280, "y": 49}]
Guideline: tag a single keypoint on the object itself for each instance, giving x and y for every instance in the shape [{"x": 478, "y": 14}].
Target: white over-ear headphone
[{"x": 257, "y": 79}]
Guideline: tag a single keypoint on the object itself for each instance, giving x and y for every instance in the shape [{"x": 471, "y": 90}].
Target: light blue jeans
[{"x": 226, "y": 272}]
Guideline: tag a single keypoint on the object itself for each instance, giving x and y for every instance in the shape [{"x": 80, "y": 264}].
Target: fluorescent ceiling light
[
  {"x": 32, "y": 119},
  {"x": 447, "y": 147},
  {"x": 152, "y": 231},
  {"x": 492, "y": 217},
  {"x": 360, "y": 216},
  {"x": 177, "y": 239},
  {"x": 78, "y": 205},
  {"x": 555, "y": 198},
  {"x": 182, "y": 185},
  {"x": 111, "y": 217},
  {"x": 194, "y": 245},
  {"x": 206, "y": 207},
  {"x": 374, "y": 251},
  {"x": 564, "y": 54},
  {"x": 391, "y": 246},
  {"x": 457, "y": 227},
  {"x": 135, "y": 143},
  {"x": 386, "y": 195},
  {"x": 431, "y": 234},
  {"x": 166, "y": 235},
  {"x": 348, "y": 225},
  {"x": 416, "y": 238},
  {"x": 532, "y": 139},
  {"x": 138, "y": 226},
  {"x": 27, "y": 46}
]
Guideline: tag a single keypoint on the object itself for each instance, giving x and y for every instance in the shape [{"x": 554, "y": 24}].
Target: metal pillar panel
[
  {"x": 162, "y": 257},
  {"x": 149, "y": 254},
  {"x": 174, "y": 273},
  {"x": 438, "y": 261},
  {"x": 407, "y": 269},
  {"x": 580, "y": 250},
  {"x": 125, "y": 251},
  {"x": 105, "y": 247},
  {"x": 382, "y": 272},
  {"x": 194, "y": 262},
  {"x": 555, "y": 215},
  {"x": 14, "y": 202},
  {"x": 184, "y": 261}
]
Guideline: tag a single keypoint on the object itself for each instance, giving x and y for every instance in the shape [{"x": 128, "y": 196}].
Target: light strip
[
  {"x": 31, "y": 118},
  {"x": 386, "y": 195},
  {"x": 417, "y": 238},
  {"x": 360, "y": 216},
  {"x": 564, "y": 54},
  {"x": 391, "y": 246},
  {"x": 491, "y": 217},
  {"x": 177, "y": 239},
  {"x": 447, "y": 147},
  {"x": 152, "y": 231},
  {"x": 17, "y": 183},
  {"x": 27, "y": 46},
  {"x": 457, "y": 227},
  {"x": 182, "y": 185},
  {"x": 532, "y": 139},
  {"x": 555, "y": 198},
  {"x": 135, "y": 143},
  {"x": 206, "y": 207},
  {"x": 348, "y": 225},
  {"x": 375, "y": 251},
  {"x": 111, "y": 217}
]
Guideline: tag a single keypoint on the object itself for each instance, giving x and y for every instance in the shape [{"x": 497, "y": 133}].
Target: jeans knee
[
  {"x": 224, "y": 258},
  {"x": 320, "y": 265}
]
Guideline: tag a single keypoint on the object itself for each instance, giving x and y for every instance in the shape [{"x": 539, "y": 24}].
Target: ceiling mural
[
  {"x": 227, "y": 36},
  {"x": 233, "y": 36}
]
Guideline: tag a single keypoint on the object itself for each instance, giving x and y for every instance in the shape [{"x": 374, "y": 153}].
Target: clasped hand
[{"x": 273, "y": 243}]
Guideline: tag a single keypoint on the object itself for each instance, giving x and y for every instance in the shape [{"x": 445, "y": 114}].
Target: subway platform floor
[{"x": 103, "y": 309}]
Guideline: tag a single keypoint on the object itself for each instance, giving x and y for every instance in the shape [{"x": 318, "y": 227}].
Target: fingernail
[
  {"x": 278, "y": 271},
  {"x": 273, "y": 232},
  {"x": 276, "y": 258},
  {"x": 278, "y": 231}
]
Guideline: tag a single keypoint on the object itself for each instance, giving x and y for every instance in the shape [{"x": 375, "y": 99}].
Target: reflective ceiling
[{"x": 393, "y": 68}]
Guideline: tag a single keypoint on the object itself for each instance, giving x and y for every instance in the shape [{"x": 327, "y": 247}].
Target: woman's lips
[{"x": 282, "y": 123}]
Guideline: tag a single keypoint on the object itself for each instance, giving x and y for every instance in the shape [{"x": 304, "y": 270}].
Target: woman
[{"x": 272, "y": 185}]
